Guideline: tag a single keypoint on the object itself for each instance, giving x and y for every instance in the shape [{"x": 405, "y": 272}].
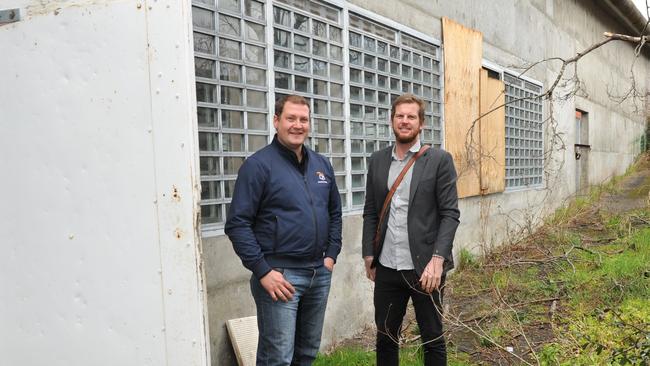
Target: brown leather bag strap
[{"x": 393, "y": 188}]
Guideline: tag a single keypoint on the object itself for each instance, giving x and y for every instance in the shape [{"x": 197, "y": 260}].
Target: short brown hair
[
  {"x": 296, "y": 99},
  {"x": 405, "y": 99}
]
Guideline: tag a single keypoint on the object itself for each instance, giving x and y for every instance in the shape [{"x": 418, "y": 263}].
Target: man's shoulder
[
  {"x": 382, "y": 152},
  {"x": 267, "y": 153},
  {"x": 261, "y": 159},
  {"x": 317, "y": 156},
  {"x": 439, "y": 158},
  {"x": 438, "y": 153}
]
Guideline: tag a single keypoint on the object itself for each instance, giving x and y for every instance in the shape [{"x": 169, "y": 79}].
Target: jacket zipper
[
  {"x": 277, "y": 227},
  {"x": 313, "y": 214}
]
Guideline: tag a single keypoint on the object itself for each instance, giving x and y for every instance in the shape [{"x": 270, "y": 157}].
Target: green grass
[
  {"x": 346, "y": 356},
  {"x": 605, "y": 290},
  {"x": 608, "y": 315},
  {"x": 605, "y": 299},
  {"x": 603, "y": 287},
  {"x": 409, "y": 356},
  {"x": 617, "y": 336},
  {"x": 618, "y": 271},
  {"x": 466, "y": 260},
  {"x": 353, "y": 356},
  {"x": 641, "y": 190}
]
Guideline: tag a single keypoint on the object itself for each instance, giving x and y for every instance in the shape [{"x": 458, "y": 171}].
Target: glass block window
[
  {"x": 249, "y": 53},
  {"x": 524, "y": 138},
  {"x": 384, "y": 63},
  {"x": 231, "y": 92},
  {"x": 308, "y": 61}
]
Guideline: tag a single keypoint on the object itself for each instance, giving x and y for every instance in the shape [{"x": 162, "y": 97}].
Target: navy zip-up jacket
[{"x": 284, "y": 214}]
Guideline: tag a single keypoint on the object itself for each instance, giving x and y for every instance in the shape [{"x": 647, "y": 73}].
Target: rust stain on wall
[
  {"x": 175, "y": 195},
  {"x": 44, "y": 7}
]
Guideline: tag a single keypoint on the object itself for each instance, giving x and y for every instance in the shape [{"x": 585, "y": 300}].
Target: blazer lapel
[
  {"x": 382, "y": 171},
  {"x": 418, "y": 170}
]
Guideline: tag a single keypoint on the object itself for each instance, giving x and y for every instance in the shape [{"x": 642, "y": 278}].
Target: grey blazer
[{"x": 433, "y": 206}]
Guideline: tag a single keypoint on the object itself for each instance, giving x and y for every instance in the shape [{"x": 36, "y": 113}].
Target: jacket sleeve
[
  {"x": 246, "y": 199},
  {"x": 447, "y": 207},
  {"x": 370, "y": 214},
  {"x": 334, "y": 241}
]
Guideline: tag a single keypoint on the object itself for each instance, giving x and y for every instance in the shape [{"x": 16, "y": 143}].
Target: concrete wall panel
[{"x": 100, "y": 251}]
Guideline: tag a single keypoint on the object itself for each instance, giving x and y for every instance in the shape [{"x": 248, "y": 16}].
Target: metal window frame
[{"x": 216, "y": 229}]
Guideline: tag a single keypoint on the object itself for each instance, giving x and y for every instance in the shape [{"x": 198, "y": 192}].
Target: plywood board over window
[
  {"x": 492, "y": 134},
  {"x": 462, "y": 58}
]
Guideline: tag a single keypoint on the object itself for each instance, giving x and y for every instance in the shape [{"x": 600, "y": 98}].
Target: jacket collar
[{"x": 291, "y": 156}]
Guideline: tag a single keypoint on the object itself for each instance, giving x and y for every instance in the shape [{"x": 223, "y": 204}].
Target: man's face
[
  {"x": 292, "y": 125},
  {"x": 406, "y": 122}
]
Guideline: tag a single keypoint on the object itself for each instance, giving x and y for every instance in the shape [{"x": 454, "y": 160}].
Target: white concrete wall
[
  {"x": 100, "y": 256},
  {"x": 515, "y": 32}
]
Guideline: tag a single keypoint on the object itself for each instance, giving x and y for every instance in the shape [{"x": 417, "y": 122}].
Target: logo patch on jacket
[{"x": 321, "y": 178}]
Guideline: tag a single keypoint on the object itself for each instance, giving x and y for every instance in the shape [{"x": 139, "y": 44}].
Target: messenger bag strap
[{"x": 384, "y": 209}]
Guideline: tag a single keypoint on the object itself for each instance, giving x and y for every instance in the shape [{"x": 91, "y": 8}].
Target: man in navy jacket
[{"x": 285, "y": 224}]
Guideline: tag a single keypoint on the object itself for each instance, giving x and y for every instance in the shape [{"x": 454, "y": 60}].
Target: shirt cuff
[{"x": 333, "y": 252}]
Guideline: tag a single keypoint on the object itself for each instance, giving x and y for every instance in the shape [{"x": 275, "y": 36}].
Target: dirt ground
[{"x": 476, "y": 306}]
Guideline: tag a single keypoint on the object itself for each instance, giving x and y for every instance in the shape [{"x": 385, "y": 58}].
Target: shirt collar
[{"x": 413, "y": 150}]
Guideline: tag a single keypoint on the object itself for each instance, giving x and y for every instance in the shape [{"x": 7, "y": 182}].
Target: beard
[{"x": 406, "y": 139}]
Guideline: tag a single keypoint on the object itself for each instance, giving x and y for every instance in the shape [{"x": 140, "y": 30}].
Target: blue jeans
[{"x": 290, "y": 332}]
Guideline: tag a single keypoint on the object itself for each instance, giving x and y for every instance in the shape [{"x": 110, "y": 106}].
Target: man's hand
[
  {"x": 430, "y": 279},
  {"x": 329, "y": 264},
  {"x": 277, "y": 286},
  {"x": 370, "y": 272}
]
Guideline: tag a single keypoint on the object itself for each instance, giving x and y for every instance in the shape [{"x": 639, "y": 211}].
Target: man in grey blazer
[{"x": 414, "y": 247}]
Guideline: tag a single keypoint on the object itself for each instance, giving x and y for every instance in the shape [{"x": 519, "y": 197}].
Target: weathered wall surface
[
  {"x": 515, "y": 33},
  {"x": 100, "y": 259}
]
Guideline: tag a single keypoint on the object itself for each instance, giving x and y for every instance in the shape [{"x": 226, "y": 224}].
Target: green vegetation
[
  {"x": 466, "y": 260},
  {"x": 580, "y": 287},
  {"x": 353, "y": 356},
  {"x": 356, "y": 356},
  {"x": 576, "y": 292},
  {"x": 610, "y": 309}
]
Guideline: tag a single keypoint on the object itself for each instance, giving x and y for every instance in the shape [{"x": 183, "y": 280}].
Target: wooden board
[
  {"x": 493, "y": 135},
  {"x": 243, "y": 335},
  {"x": 463, "y": 50}
]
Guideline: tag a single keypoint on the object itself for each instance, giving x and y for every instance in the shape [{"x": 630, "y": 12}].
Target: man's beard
[{"x": 405, "y": 139}]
